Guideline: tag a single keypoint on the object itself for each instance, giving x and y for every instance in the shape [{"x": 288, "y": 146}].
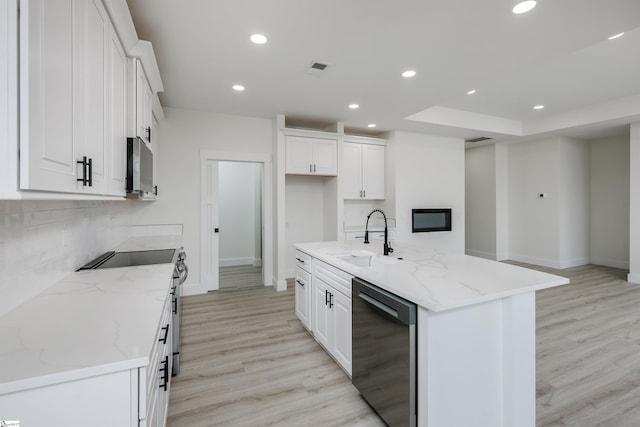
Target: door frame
[{"x": 212, "y": 283}]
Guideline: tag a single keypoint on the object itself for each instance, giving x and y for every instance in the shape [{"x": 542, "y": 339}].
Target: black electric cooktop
[{"x": 127, "y": 259}]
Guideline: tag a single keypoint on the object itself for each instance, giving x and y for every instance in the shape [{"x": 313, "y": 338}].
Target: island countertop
[{"x": 433, "y": 279}]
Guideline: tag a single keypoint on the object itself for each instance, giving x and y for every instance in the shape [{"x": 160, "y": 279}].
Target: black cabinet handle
[
  {"x": 330, "y": 300},
  {"x": 326, "y": 297},
  {"x": 164, "y": 379},
  {"x": 155, "y": 190},
  {"x": 148, "y": 130},
  {"x": 83, "y": 162},
  {"x": 174, "y": 303},
  {"x": 166, "y": 334},
  {"x": 299, "y": 282},
  {"x": 90, "y": 164},
  {"x": 300, "y": 260}
]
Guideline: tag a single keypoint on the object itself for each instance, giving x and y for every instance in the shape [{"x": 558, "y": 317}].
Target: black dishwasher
[{"x": 384, "y": 352}]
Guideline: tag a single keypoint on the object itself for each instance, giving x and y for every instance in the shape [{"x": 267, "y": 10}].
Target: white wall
[
  {"x": 552, "y": 231},
  {"x": 183, "y": 134},
  {"x": 634, "y": 204},
  {"x": 43, "y": 241},
  {"x": 575, "y": 205},
  {"x": 480, "y": 201},
  {"x": 609, "y": 230},
  {"x": 429, "y": 173},
  {"x": 240, "y": 209},
  {"x": 304, "y": 214}
]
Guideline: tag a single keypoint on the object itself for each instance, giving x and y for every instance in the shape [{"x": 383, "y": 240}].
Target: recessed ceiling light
[
  {"x": 524, "y": 6},
  {"x": 371, "y": 125},
  {"x": 409, "y": 73},
  {"x": 538, "y": 107},
  {"x": 471, "y": 92},
  {"x": 616, "y": 36},
  {"x": 239, "y": 88},
  {"x": 258, "y": 39},
  {"x": 354, "y": 106}
]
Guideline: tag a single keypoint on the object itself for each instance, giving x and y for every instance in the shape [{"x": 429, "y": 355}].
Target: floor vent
[
  {"x": 478, "y": 139},
  {"x": 316, "y": 67}
]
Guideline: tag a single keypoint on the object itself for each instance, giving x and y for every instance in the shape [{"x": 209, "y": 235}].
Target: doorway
[
  {"x": 234, "y": 217},
  {"x": 240, "y": 225}
]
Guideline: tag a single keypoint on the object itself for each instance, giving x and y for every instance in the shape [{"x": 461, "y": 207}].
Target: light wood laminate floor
[
  {"x": 246, "y": 360},
  {"x": 240, "y": 277}
]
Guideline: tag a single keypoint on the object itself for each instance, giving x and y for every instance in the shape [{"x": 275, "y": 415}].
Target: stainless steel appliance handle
[{"x": 374, "y": 302}]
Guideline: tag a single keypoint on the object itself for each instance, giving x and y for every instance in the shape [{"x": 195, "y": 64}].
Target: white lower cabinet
[
  {"x": 303, "y": 296},
  {"x": 331, "y": 311},
  {"x": 137, "y": 397}
]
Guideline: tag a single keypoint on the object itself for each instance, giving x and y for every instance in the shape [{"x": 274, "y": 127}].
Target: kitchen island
[{"x": 475, "y": 327}]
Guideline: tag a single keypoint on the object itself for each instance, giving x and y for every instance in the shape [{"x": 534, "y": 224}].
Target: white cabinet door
[
  {"x": 303, "y": 294},
  {"x": 91, "y": 43},
  {"x": 322, "y": 319},
  {"x": 311, "y": 156},
  {"x": 143, "y": 104},
  {"x": 363, "y": 171},
  {"x": 373, "y": 171},
  {"x": 351, "y": 173},
  {"x": 341, "y": 348},
  {"x": 117, "y": 157},
  {"x": 325, "y": 157},
  {"x": 299, "y": 155},
  {"x": 47, "y": 143}
]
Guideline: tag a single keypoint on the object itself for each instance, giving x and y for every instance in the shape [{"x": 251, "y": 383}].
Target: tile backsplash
[{"x": 43, "y": 241}]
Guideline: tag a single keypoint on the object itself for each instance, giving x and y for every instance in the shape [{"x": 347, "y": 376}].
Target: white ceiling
[{"x": 557, "y": 55}]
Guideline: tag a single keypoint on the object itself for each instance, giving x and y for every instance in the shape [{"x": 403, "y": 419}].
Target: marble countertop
[
  {"x": 434, "y": 279},
  {"x": 90, "y": 323}
]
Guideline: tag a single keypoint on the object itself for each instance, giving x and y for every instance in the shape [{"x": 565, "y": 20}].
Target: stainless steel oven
[{"x": 384, "y": 352}]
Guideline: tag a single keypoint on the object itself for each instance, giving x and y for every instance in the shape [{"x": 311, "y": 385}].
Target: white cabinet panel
[
  {"x": 303, "y": 296},
  {"x": 342, "y": 329},
  {"x": 311, "y": 156},
  {"x": 363, "y": 171},
  {"x": 118, "y": 117},
  {"x": 143, "y": 104},
  {"x": 322, "y": 320}
]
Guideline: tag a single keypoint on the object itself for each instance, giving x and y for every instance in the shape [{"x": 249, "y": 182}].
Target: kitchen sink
[{"x": 366, "y": 258}]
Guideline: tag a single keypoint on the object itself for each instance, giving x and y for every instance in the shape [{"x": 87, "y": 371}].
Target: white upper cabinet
[
  {"x": 118, "y": 117},
  {"x": 363, "y": 171},
  {"x": 72, "y": 98},
  {"x": 311, "y": 156},
  {"x": 143, "y": 103}
]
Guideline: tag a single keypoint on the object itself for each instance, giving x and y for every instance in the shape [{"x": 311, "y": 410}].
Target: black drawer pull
[
  {"x": 299, "y": 282},
  {"x": 166, "y": 334},
  {"x": 300, "y": 259},
  {"x": 164, "y": 379}
]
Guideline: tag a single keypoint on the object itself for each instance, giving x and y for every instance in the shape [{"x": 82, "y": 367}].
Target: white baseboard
[
  {"x": 633, "y": 278},
  {"x": 279, "y": 285},
  {"x": 608, "y": 262},
  {"x": 550, "y": 262},
  {"x": 232, "y": 262},
  {"x": 481, "y": 254},
  {"x": 193, "y": 289}
]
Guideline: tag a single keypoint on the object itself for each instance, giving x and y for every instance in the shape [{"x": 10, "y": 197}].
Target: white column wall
[
  {"x": 480, "y": 201},
  {"x": 609, "y": 230},
  {"x": 429, "y": 173},
  {"x": 634, "y": 204}
]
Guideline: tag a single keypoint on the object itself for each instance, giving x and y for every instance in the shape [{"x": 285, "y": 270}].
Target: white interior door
[{"x": 210, "y": 226}]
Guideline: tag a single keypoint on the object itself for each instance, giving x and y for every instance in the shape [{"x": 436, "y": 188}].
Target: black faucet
[{"x": 386, "y": 249}]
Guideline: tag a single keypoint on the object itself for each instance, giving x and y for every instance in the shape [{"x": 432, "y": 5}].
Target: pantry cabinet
[
  {"x": 363, "y": 171},
  {"x": 71, "y": 104},
  {"x": 311, "y": 156}
]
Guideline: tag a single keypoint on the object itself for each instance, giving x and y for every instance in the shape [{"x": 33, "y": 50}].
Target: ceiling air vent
[
  {"x": 478, "y": 139},
  {"x": 316, "y": 68}
]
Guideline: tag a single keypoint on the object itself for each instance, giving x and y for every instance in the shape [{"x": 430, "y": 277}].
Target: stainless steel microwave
[
  {"x": 425, "y": 220},
  {"x": 139, "y": 166}
]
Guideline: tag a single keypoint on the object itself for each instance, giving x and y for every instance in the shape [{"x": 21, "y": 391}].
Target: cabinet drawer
[
  {"x": 332, "y": 276},
  {"x": 303, "y": 278},
  {"x": 303, "y": 261}
]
